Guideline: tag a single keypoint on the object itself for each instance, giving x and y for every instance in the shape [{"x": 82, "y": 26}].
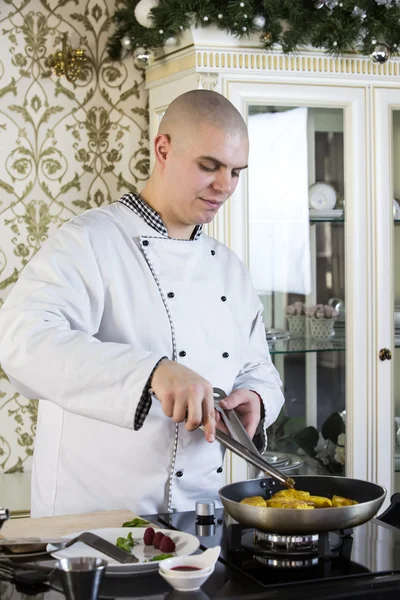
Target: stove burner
[
  {"x": 285, "y": 549},
  {"x": 286, "y": 563},
  {"x": 286, "y": 544}
]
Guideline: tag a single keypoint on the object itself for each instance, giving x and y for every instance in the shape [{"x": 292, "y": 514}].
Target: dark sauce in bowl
[{"x": 185, "y": 569}]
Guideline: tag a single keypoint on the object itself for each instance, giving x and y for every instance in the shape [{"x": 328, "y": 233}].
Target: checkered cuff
[
  {"x": 145, "y": 401},
  {"x": 260, "y": 438}
]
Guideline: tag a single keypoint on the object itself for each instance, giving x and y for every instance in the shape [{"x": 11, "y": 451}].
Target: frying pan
[{"x": 291, "y": 521}]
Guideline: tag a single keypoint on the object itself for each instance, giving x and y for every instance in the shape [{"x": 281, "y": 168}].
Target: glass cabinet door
[
  {"x": 396, "y": 291},
  {"x": 296, "y": 257},
  {"x": 292, "y": 221},
  {"x": 386, "y": 461}
]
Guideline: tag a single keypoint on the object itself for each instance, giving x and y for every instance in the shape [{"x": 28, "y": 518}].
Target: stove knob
[
  {"x": 205, "y": 530},
  {"x": 205, "y": 509}
]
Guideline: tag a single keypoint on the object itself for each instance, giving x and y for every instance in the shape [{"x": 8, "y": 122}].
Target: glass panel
[
  {"x": 396, "y": 284},
  {"x": 296, "y": 257}
]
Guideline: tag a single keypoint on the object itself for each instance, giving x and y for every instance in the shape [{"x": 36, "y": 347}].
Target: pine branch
[{"x": 289, "y": 24}]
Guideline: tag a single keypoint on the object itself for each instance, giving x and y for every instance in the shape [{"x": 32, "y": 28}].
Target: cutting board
[{"x": 46, "y": 527}]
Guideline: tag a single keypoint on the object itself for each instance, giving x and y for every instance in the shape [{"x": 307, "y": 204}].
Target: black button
[
  {"x": 219, "y": 470},
  {"x": 213, "y": 252},
  {"x": 182, "y": 353},
  {"x": 171, "y": 295},
  {"x": 225, "y": 354},
  {"x": 223, "y": 298},
  {"x": 146, "y": 243},
  {"x": 179, "y": 473}
]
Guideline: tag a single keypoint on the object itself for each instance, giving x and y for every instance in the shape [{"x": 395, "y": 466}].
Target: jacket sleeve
[
  {"x": 258, "y": 373},
  {"x": 48, "y": 344}
]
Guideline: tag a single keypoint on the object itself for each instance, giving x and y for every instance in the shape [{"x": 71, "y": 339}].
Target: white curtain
[{"x": 279, "y": 243}]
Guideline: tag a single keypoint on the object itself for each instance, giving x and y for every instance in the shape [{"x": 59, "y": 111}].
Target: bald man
[{"x": 127, "y": 318}]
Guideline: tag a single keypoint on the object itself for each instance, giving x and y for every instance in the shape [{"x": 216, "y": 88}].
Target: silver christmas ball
[
  {"x": 142, "y": 12},
  {"x": 332, "y": 4},
  {"x": 171, "y": 41},
  {"x": 126, "y": 42},
  {"x": 143, "y": 58},
  {"x": 358, "y": 12},
  {"x": 259, "y": 22},
  {"x": 380, "y": 53},
  {"x": 383, "y": 1},
  {"x": 319, "y": 4}
]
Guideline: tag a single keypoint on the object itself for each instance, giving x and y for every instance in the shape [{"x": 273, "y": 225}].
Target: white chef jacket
[{"x": 82, "y": 330}]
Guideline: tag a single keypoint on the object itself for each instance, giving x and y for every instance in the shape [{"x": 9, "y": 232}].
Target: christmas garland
[{"x": 369, "y": 27}]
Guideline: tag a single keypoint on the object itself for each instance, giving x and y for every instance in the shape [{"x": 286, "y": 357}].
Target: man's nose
[{"x": 223, "y": 182}]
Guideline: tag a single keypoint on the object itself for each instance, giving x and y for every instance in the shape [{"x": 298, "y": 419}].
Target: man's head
[{"x": 200, "y": 149}]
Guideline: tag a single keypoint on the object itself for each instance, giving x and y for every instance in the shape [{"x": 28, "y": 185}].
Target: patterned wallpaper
[{"x": 64, "y": 148}]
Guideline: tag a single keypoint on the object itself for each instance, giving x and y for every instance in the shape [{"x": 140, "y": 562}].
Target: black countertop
[{"x": 237, "y": 578}]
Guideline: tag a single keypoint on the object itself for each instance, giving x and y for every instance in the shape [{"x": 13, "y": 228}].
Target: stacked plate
[
  {"x": 326, "y": 214},
  {"x": 397, "y": 321},
  {"x": 276, "y": 335},
  {"x": 282, "y": 461},
  {"x": 339, "y": 329}
]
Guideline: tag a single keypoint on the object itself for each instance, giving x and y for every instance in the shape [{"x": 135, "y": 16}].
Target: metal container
[{"x": 4, "y": 516}]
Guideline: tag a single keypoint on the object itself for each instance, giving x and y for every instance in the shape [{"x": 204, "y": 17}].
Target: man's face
[{"x": 202, "y": 172}]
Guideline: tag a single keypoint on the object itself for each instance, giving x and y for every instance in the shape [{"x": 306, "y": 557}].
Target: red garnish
[
  {"x": 157, "y": 539},
  {"x": 167, "y": 545},
  {"x": 149, "y": 536}
]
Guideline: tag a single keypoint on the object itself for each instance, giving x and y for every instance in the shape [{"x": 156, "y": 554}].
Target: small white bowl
[
  {"x": 202, "y": 561},
  {"x": 186, "y": 581}
]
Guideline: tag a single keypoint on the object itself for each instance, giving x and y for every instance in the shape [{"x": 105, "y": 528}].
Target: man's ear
[{"x": 162, "y": 145}]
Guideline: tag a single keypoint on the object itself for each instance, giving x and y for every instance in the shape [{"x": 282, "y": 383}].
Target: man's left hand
[{"x": 248, "y": 407}]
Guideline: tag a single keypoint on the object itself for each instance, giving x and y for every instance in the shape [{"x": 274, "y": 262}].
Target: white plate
[
  {"x": 276, "y": 335},
  {"x": 396, "y": 209},
  {"x": 336, "y": 213},
  {"x": 185, "y": 544},
  {"x": 321, "y": 196}
]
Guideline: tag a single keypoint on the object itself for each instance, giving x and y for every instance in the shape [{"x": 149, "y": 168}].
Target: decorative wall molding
[
  {"x": 208, "y": 81},
  {"x": 251, "y": 61}
]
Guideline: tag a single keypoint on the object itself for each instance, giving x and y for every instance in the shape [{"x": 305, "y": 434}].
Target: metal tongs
[{"x": 239, "y": 442}]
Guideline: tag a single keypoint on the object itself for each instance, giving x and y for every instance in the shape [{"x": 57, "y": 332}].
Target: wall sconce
[{"x": 67, "y": 61}]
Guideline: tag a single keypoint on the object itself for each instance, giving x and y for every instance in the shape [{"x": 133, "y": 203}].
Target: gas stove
[{"x": 364, "y": 560}]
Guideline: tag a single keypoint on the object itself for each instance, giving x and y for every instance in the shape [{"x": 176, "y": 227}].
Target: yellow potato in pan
[
  {"x": 340, "y": 501},
  {"x": 297, "y": 499},
  {"x": 320, "y": 501},
  {"x": 254, "y": 501},
  {"x": 292, "y": 493},
  {"x": 284, "y": 503}
]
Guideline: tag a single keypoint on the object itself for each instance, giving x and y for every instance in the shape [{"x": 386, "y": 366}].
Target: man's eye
[
  {"x": 235, "y": 173},
  {"x": 208, "y": 169}
]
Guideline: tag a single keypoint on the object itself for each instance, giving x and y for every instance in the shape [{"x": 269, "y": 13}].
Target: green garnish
[
  {"x": 126, "y": 543},
  {"x": 135, "y": 523},
  {"x": 160, "y": 557}
]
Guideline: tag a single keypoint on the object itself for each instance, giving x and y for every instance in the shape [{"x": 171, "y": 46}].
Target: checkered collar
[{"x": 150, "y": 216}]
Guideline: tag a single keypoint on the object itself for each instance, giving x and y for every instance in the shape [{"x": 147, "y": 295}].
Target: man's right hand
[{"x": 185, "y": 396}]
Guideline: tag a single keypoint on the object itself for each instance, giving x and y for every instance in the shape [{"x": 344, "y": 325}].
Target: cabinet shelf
[
  {"x": 306, "y": 344},
  {"x": 333, "y": 220},
  {"x": 327, "y": 220}
]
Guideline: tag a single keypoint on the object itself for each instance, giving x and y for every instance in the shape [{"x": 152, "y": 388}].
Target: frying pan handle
[
  {"x": 395, "y": 498},
  {"x": 391, "y": 515}
]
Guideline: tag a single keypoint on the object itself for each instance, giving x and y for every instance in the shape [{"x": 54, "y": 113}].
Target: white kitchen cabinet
[{"x": 353, "y": 111}]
